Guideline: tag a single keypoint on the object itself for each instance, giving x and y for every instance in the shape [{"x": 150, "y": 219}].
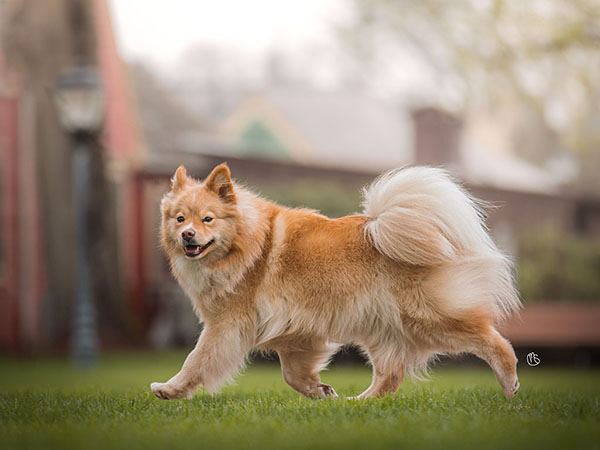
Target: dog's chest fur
[{"x": 205, "y": 286}]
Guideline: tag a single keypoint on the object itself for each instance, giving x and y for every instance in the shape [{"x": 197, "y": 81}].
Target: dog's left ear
[
  {"x": 179, "y": 179},
  {"x": 219, "y": 181}
]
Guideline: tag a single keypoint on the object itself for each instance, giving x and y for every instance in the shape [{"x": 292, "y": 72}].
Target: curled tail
[{"x": 420, "y": 216}]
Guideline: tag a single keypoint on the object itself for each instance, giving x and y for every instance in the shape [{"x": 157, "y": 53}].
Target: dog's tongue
[
  {"x": 195, "y": 250},
  {"x": 192, "y": 250}
]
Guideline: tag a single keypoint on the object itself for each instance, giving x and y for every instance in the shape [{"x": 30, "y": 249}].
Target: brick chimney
[{"x": 437, "y": 137}]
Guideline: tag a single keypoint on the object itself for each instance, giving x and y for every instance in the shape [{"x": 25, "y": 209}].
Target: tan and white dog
[{"x": 415, "y": 275}]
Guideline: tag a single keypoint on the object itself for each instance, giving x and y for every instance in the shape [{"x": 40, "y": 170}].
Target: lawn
[{"x": 46, "y": 404}]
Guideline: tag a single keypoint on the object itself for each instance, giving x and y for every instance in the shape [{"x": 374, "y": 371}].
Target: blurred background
[{"x": 307, "y": 102}]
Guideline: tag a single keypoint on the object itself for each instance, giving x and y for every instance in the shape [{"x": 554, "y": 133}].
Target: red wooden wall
[{"x": 9, "y": 256}]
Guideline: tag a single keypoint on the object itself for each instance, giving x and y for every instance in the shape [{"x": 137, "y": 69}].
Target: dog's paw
[
  {"x": 326, "y": 391},
  {"x": 165, "y": 391},
  {"x": 512, "y": 389}
]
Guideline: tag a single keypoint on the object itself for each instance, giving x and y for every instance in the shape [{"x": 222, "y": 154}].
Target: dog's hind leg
[
  {"x": 474, "y": 333},
  {"x": 388, "y": 373},
  {"x": 499, "y": 354},
  {"x": 301, "y": 367}
]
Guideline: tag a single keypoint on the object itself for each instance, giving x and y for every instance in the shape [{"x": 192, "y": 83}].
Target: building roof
[
  {"x": 346, "y": 130},
  {"x": 358, "y": 132},
  {"x": 504, "y": 171}
]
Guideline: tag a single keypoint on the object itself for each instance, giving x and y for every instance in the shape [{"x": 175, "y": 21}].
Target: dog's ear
[
  {"x": 219, "y": 181},
  {"x": 179, "y": 179}
]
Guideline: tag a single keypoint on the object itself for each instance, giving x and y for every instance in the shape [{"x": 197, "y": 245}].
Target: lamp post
[{"x": 80, "y": 105}]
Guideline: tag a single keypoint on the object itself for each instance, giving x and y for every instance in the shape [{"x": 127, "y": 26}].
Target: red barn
[{"x": 29, "y": 271}]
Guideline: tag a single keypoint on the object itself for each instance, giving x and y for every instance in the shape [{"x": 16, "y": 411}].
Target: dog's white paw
[
  {"x": 164, "y": 391},
  {"x": 510, "y": 391},
  {"x": 326, "y": 391}
]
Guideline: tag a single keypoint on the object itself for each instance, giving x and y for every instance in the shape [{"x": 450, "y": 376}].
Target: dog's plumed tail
[{"x": 420, "y": 216}]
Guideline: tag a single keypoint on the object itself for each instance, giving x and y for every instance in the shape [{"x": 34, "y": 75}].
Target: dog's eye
[
  {"x": 180, "y": 219},
  {"x": 207, "y": 219}
]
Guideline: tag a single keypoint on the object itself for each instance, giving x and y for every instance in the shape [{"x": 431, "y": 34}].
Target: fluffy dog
[{"x": 415, "y": 275}]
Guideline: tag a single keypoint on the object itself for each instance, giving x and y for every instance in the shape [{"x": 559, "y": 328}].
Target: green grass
[{"x": 47, "y": 404}]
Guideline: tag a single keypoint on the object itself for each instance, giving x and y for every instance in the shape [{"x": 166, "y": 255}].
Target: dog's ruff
[{"x": 414, "y": 276}]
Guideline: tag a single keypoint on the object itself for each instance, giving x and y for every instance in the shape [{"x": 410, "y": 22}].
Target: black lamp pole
[
  {"x": 84, "y": 340},
  {"x": 80, "y": 107}
]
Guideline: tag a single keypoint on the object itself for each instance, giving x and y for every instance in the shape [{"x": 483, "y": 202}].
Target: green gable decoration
[{"x": 257, "y": 140}]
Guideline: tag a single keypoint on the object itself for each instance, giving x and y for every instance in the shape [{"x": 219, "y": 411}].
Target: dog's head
[{"x": 199, "y": 219}]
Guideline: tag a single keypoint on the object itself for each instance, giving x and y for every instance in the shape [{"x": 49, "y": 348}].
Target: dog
[{"x": 415, "y": 275}]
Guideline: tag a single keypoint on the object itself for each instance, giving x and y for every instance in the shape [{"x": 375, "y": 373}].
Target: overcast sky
[{"x": 158, "y": 31}]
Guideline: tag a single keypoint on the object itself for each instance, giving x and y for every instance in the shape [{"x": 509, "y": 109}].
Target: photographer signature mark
[{"x": 533, "y": 359}]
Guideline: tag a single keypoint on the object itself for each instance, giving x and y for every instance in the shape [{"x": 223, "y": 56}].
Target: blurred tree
[
  {"x": 212, "y": 78},
  {"x": 328, "y": 197},
  {"x": 542, "y": 56},
  {"x": 163, "y": 117},
  {"x": 555, "y": 266}
]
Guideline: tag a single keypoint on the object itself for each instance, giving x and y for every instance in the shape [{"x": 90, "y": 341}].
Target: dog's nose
[{"x": 188, "y": 235}]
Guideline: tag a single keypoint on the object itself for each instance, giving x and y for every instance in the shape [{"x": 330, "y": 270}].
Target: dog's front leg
[{"x": 218, "y": 353}]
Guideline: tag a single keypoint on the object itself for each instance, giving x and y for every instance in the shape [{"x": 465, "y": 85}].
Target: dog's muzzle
[{"x": 193, "y": 249}]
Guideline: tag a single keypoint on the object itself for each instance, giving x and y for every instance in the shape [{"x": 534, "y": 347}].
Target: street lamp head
[{"x": 80, "y": 100}]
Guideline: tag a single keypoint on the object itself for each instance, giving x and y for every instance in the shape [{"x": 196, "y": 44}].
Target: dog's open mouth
[{"x": 195, "y": 250}]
